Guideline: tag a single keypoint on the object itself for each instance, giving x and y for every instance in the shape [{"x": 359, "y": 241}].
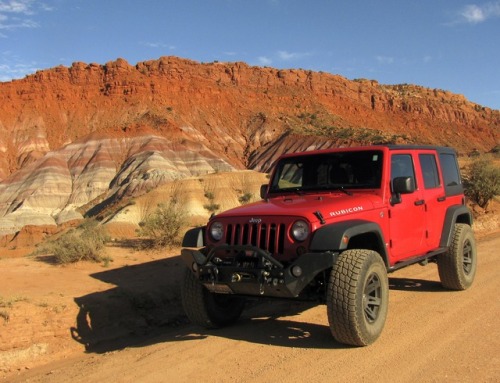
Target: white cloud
[
  {"x": 159, "y": 45},
  {"x": 385, "y": 59},
  {"x": 14, "y": 14},
  {"x": 263, "y": 60},
  {"x": 282, "y": 56},
  {"x": 16, "y": 6},
  {"x": 14, "y": 67},
  {"x": 9, "y": 72},
  {"x": 427, "y": 59},
  {"x": 286, "y": 56},
  {"x": 475, "y": 14}
]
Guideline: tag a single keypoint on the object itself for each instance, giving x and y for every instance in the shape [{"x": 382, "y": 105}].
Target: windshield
[{"x": 329, "y": 171}]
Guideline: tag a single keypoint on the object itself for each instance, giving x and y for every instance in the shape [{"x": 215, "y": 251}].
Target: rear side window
[
  {"x": 451, "y": 174},
  {"x": 429, "y": 170}
]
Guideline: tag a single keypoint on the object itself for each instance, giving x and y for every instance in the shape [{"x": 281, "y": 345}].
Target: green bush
[
  {"x": 211, "y": 207},
  {"x": 85, "y": 243},
  {"x": 496, "y": 151},
  {"x": 482, "y": 181},
  {"x": 245, "y": 198},
  {"x": 163, "y": 227}
]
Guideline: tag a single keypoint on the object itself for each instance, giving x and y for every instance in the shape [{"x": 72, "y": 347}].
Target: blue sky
[{"x": 446, "y": 44}]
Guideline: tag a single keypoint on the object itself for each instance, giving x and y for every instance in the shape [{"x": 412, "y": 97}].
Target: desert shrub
[
  {"x": 482, "y": 181},
  {"x": 163, "y": 227},
  {"x": 496, "y": 151},
  {"x": 4, "y": 314},
  {"x": 209, "y": 195},
  {"x": 211, "y": 206},
  {"x": 245, "y": 198},
  {"x": 85, "y": 243}
]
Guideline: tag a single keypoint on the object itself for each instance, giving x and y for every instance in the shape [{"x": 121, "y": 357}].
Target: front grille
[{"x": 266, "y": 236}]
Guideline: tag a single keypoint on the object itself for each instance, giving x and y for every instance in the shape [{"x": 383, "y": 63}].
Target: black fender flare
[
  {"x": 331, "y": 237},
  {"x": 454, "y": 214},
  {"x": 194, "y": 237}
]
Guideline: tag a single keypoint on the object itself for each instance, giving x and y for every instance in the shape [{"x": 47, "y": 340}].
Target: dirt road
[{"x": 431, "y": 335}]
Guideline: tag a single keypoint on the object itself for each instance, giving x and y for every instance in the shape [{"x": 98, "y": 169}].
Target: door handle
[
  {"x": 419, "y": 202},
  {"x": 442, "y": 198}
]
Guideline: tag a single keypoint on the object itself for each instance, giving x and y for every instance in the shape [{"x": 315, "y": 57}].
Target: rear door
[{"x": 434, "y": 197}]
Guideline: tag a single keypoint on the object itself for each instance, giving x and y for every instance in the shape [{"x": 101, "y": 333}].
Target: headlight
[
  {"x": 217, "y": 231},
  {"x": 300, "y": 230}
]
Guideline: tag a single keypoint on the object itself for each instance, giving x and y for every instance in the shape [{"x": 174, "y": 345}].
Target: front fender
[
  {"x": 194, "y": 237},
  {"x": 338, "y": 235}
]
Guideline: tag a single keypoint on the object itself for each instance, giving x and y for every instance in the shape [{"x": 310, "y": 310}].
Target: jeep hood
[{"x": 330, "y": 205}]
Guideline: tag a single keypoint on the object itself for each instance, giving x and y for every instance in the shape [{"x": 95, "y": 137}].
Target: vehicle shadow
[
  {"x": 143, "y": 306},
  {"x": 411, "y": 284},
  {"x": 142, "y": 298}
]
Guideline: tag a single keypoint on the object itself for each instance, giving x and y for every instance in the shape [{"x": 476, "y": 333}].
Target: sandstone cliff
[{"x": 73, "y": 137}]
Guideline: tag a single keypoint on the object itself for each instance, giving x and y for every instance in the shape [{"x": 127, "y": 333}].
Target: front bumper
[{"x": 252, "y": 271}]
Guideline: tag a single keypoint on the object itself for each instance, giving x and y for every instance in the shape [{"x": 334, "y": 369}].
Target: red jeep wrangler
[{"x": 331, "y": 225}]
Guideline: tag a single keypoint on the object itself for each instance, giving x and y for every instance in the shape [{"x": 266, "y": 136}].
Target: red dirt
[{"x": 86, "y": 322}]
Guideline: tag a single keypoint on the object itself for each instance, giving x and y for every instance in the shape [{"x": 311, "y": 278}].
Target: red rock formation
[{"x": 69, "y": 136}]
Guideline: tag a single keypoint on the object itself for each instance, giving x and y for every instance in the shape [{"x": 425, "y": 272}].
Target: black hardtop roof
[{"x": 439, "y": 149}]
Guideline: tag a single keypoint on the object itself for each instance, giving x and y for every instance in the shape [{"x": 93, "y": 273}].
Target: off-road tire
[
  {"x": 357, "y": 297},
  {"x": 457, "y": 266},
  {"x": 207, "y": 309}
]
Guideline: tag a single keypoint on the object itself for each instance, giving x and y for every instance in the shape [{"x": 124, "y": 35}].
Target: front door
[{"x": 407, "y": 217}]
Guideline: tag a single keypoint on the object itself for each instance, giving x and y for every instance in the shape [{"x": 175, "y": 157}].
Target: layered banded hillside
[{"x": 73, "y": 139}]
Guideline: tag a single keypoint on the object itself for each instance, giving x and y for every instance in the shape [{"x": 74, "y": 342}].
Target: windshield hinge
[{"x": 320, "y": 217}]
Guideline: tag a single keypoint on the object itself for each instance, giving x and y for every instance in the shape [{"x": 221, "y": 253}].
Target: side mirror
[
  {"x": 263, "y": 191},
  {"x": 401, "y": 185}
]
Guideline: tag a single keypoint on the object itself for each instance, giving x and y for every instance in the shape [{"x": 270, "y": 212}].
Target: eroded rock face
[
  {"x": 51, "y": 190},
  {"x": 90, "y": 132}
]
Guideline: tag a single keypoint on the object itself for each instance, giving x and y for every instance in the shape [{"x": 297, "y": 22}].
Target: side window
[
  {"x": 451, "y": 174},
  {"x": 402, "y": 166},
  {"x": 429, "y": 170},
  {"x": 450, "y": 170}
]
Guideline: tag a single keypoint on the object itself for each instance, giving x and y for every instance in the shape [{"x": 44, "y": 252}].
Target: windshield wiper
[
  {"x": 342, "y": 189},
  {"x": 323, "y": 188},
  {"x": 309, "y": 189}
]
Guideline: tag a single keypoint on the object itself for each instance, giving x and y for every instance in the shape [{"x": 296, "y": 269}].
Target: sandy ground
[{"x": 90, "y": 323}]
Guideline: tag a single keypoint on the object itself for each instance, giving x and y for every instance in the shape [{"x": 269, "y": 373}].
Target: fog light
[
  {"x": 296, "y": 271},
  {"x": 301, "y": 250}
]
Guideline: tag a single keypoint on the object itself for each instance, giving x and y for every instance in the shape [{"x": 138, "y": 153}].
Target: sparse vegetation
[
  {"x": 4, "y": 314},
  {"x": 85, "y": 243},
  {"x": 496, "y": 150},
  {"x": 211, "y": 206},
  {"x": 245, "y": 198},
  {"x": 311, "y": 124},
  {"x": 7, "y": 304},
  {"x": 163, "y": 227},
  {"x": 482, "y": 181}
]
